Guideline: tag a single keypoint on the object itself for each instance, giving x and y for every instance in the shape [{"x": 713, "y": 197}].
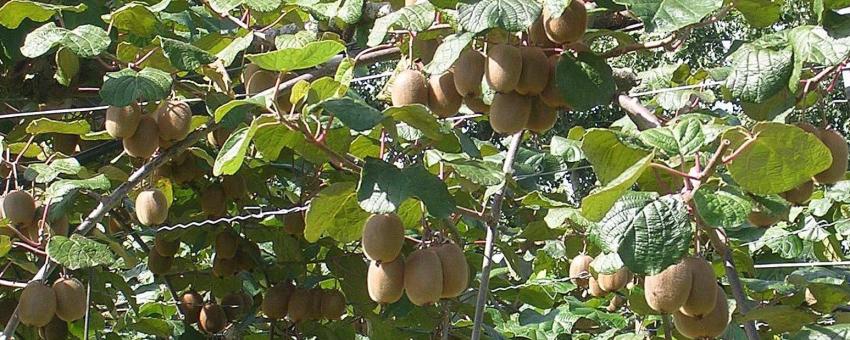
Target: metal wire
[
  {"x": 538, "y": 282},
  {"x": 261, "y": 214}
]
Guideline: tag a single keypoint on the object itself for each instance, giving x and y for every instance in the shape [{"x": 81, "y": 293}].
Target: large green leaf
[
  {"x": 782, "y": 318},
  {"x": 85, "y": 41},
  {"x": 354, "y": 113},
  {"x": 292, "y": 59},
  {"x": 759, "y": 73},
  {"x": 511, "y": 15},
  {"x": 78, "y": 252},
  {"x": 596, "y": 205},
  {"x": 296, "y": 40},
  {"x": 683, "y": 139},
  {"x": 47, "y": 125},
  {"x": 448, "y": 52},
  {"x": 818, "y": 332},
  {"x": 609, "y": 153},
  {"x": 239, "y": 44},
  {"x": 5, "y": 245},
  {"x": 15, "y": 11},
  {"x": 585, "y": 82},
  {"x": 419, "y": 117},
  {"x": 724, "y": 208},
  {"x": 781, "y": 158},
  {"x": 67, "y": 66},
  {"x": 184, "y": 56},
  {"x": 812, "y": 44},
  {"x": 760, "y": 13},
  {"x": 134, "y": 18},
  {"x": 232, "y": 153},
  {"x": 127, "y": 86},
  {"x": 334, "y": 212},
  {"x": 670, "y": 15},
  {"x": 383, "y": 187},
  {"x": 414, "y": 18},
  {"x": 224, "y": 6}
]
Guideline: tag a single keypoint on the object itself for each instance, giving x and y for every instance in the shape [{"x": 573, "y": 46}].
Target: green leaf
[
  {"x": 47, "y": 125},
  {"x": 85, "y": 41},
  {"x": 670, "y": 15},
  {"x": 239, "y": 44},
  {"x": 232, "y": 153},
  {"x": 448, "y": 52},
  {"x": 334, "y": 212},
  {"x": 292, "y": 59},
  {"x": 724, "y": 208},
  {"x": 511, "y": 15},
  {"x": 781, "y": 158},
  {"x": 818, "y": 332},
  {"x": 760, "y": 13},
  {"x": 584, "y": 82},
  {"x": 419, "y": 117},
  {"x": 127, "y": 86},
  {"x": 134, "y": 18},
  {"x": 414, "y": 18},
  {"x": 609, "y": 153},
  {"x": 262, "y": 5},
  {"x": 15, "y": 11},
  {"x": 812, "y": 44},
  {"x": 297, "y": 40},
  {"x": 67, "y": 66},
  {"x": 781, "y": 318},
  {"x": 224, "y": 6},
  {"x": 354, "y": 113},
  {"x": 257, "y": 101},
  {"x": 683, "y": 139},
  {"x": 649, "y": 233},
  {"x": 350, "y": 11},
  {"x": 184, "y": 56},
  {"x": 759, "y": 73},
  {"x": 44, "y": 173},
  {"x": 568, "y": 149},
  {"x": 383, "y": 187},
  {"x": 78, "y": 252},
  {"x": 596, "y": 205},
  {"x": 478, "y": 171},
  {"x": 66, "y": 186},
  {"x": 781, "y": 241},
  {"x": 5, "y": 245}
]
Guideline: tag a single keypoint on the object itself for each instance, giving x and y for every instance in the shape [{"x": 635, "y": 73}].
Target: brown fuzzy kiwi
[
  {"x": 248, "y": 71},
  {"x": 509, "y": 112},
  {"x": 700, "y": 300},
  {"x": 594, "y": 289},
  {"x": 443, "y": 99},
  {"x": 55, "y": 330},
  {"x": 425, "y": 49},
  {"x": 217, "y": 137},
  {"x": 762, "y": 219},
  {"x": 65, "y": 143},
  {"x": 580, "y": 264},
  {"x": 276, "y": 300},
  {"x": 535, "y": 71},
  {"x": 504, "y": 67},
  {"x": 18, "y": 207},
  {"x": 808, "y": 127},
  {"x": 226, "y": 244},
  {"x": 234, "y": 187},
  {"x": 144, "y": 142},
  {"x": 151, "y": 207},
  {"x": 260, "y": 81},
  {"x": 174, "y": 120},
  {"x": 236, "y": 304},
  {"x": 800, "y": 194},
  {"x": 542, "y": 117},
  {"x": 838, "y": 147},
  {"x": 293, "y": 223},
  {"x": 333, "y": 304},
  {"x": 386, "y": 280},
  {"x": 212, "y": 318},
  {"x": 409, "y": 87},
  {"x": 710, "y": 325},
  {"x": 616, "y": 302},
  {"x": 468, "y": 73},
  {"x": 121, "y": 121},
  {"x": 616, "y": 281},
  {"x": 223, "y": 267},
  {"x": 314, "y": 307},
  {"x": 668, "y": 290},
  {"x": 60, "y": 226},
  {"x": 244, "y": 261},
  {"x": 212, "y": 201},
  {"x": 299, "y": 305},
  {"x": 383, "y": 237},
  {"x": 164, "y": 246},
  {"x": 551, "y": 95},
  {"x": 37, "y": 304},
  {"x": 455, "y": 269},
  {"x": 423, "y": 277},
  {"x": 159, "y": 264},
  {"x": 537, "y": 34},
  {"x": 70, "y": 299},
  {"x": 476, "y": 104},
  {"x": 569, "y": 27},
  {"x": 190, "y": 305}
]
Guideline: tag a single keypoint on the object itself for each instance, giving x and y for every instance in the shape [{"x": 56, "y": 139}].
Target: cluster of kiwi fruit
[
  {"x": 142, "y": 134},
  {"x": 26, "y": 215},
  {"x": 232, "y": 254},
  {"x": 426, "y": 275},
  {"x": 50, "y": 308},
  {"x": 213, "y": 317},
  {"x": 298, "y": 304},
  {"x": 601, "y": 284}
]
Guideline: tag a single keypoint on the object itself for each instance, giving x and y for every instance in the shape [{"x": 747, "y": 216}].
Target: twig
[
  {"x": 716, "y": 237},
  {"x": 715, "y": 160},
  {"x": 88, "y": 305},
  {"x": 668, "y": 331},
  {"x": 739, "y": 150},
  {"x": 642, "y": 117},
  {"x": 15, "y": 284},
  {"x": 671, "y": 171}
]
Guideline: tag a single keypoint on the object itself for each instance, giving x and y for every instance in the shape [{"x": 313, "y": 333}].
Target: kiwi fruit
[
  {"x": 234, "y": 187},
  {"x": 248, "y": 71},
  {"x": 535, "y": 71},
  {"x": 226, "y": 244},
  {"x": 504, "y": 67},
  {"x": 616, "y": 281},
  {"x": 259, "y": 81},
  {"x": 244, "y": 261},
  {"x": 710, "y": 325},
  {"x": 509, "y": 112},
  {"x": 37, "y": 304},
  {"x": 223, "y": 267},
  {"x": 217, "y": 137},
  {"x": 569, "y": 27},
  {"x": 276, "y": 301},
  {"x": 70, "y": 299},
  {"x": 18, "y": 207},
  {"x": 333, "y": 304},
  {"x": 580, "y": 264},
  {"x": 165, "y": 247},
  {"x": 383, "y": 237},
  {"x": 236, "y": 305},
  {"x": 55, "y": 330},
  {"x": 151, "y": 207},
  {"x": 668, "y": 290},
  {"x": 174, "y": 120},
  {"x": 594, "y": 289},
  {"x": 443, "y": 99},
  {"x": 537, "y": 34},
  {"x": 551, "y": 95},
  {"x": 476, "y": 104},
  {"x": 144, "y": 142},
  {"x": 212, "y": 201},
  {"x": 65, "y": 143},
  {"x": 212, "y": 318},
  {"x": 159, "y": 264},
  {"x": 762, "y": 219},
  {"x": 60, "y": 226},
  {"x": 800, "y": 194},
  {"x": 190, "y": 305},
  {"x": 805, "y": 126},
  {"x": 455, "y": 269},
  {"x": 314, "y": 307},
  {"x": 386, "y": 280},
  {"x": 122, "y": 121},
  {"x": 299, "y": 305},
  {"x": 616, "y": 302},
  {"x": 468, "y": 73},
  {"x": 409, "y": 87},
  {"x": 293, "y": 223},
  {"x": 838, "y": 147},
  {"x": 423, "y": 277},
  {"x": 700, "y": 300},
  {"x": 542, "y": 116}
]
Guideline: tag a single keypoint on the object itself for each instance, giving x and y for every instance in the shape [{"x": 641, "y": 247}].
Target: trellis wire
[
  {"x": 537, "y": 282},
  {"x": 261, "y": 214}
]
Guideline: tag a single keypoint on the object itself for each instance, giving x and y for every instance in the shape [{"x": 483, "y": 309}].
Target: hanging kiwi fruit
[
  {"x": 568, "y": 27},
  {"x": 122, "y": 121},
  {"x": 151, "y": 207},
  {"x": 837, "y": 145},
  {"x": 70, "y": 299},
  {"x": 174, "y": 120},
  {"x": 668, "y": 290},
  {"x": 18, "y": 207},
  {"x": 443, "y": 98},
  {"x": 509, "y": 112},
  {"x": 535, "y": 71},
  {"x": 468, "y": 73},
  {"x": 542, "y": 116},
  {"x": 276, "y": 301},
  {"x": 409, "y": 87},
  {"x": 212, "y": 318},
  {"x": 455, "y": 269},
  {"x": 616, "y": 281},
  {"x": 37, "y": 304},
  {"x": 385, "y": 280},
  {"x": 710, "y": 325},
  {"x": 423, "y": 277},
  {"x": 144, "y": 142},
  {"x": 580, "y": 265},
  {"x": 383, "y": 237},
  {"x": 190, "y": 305},
  {"x": 504, "y": 67}
]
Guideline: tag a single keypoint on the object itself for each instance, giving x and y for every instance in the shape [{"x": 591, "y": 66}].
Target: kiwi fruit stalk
[
  {"x": 468, "y": 73},
  {"x": 212, "y": 318},
  {"x": 710, "y": 325},
  {"x": 383, "y": 237},
  {"x": 838, "y": 148},
  {"x": 701, "y": 299},
  {"x": 504, "y": 67},
  {"x": 616, "y": 281},
  {"x": 190, "y": 305},
  {"x": 174, "y": 120},
  {"x": 535, "y": 71},
  {"x": 455, "y": 269},
  {"x": 18, "y": 207},
  {"x": 276, "y": 301},
  {"x": 668, "y": 290},
  {"x": 443, "y": 99},
  {"x": 509, "y": 112},
  {"x": 409, "y": 87},
  {"x": 151, "y": 207},
  {"x": 580, "y": 264},
  {"x": 144, "y": 142},
  {"x": 70, "y": 299},
  {"x": 569, "y": 27},
  {"x": 385, "y": 281},
  {"x": 37, "y": 304},
  {"x": 122, "y": 121},
  {"x": 423, "y": 277}
]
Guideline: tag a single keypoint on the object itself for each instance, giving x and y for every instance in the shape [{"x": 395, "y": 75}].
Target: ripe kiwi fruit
[
  {"x": 762, "y": 219},
  {"x": 383, "y": 237},
  {"x": 159, "y": 264},
  {"x": 212, "y": 201},
  {"x": 174, "y": 119},
  {"x": 838, "y": 147},
  {"x": 37, "y": 304},
  {"x": 226, "y": 244},
  {"x": 468, "y": 73},
  {"x": 259, "y": 81},
  {"x": 668, "y": 290},
  {"x": 535, "y": 71},
  {"x": 580, "y": 264},
  {"x": 509, "y": 112},
  {"x": 293, "y": 223},
  {"x": 70, "y": 299},
  {"x": 151, "y": 207},
  {"x": 144, "y": 142},
  {"x": 299, "y": 305},
  {"x": 55, "y": 330},
  {"x": 700, "y": 298},
  {"x": 60, "y": 225},
  {"x": 122, "y": 121},
  {"x": 212, "y": 318},
  {"x": 443, "y": 99},
  {"x": 276, "y": 301},
  {"x": 333, "y": 304},
  {"x": 542, "y": 116},
  {"x": 710, "y": 325},
  {"x": 423, "y": 277},
  {"x": 18, "y": 207},
  {"x": 223, "y": 267},
  {"x": 409, "y": 87},
  {"x": 165, "y": 247},
  {"x": 569, "y": 27},
  {"x": 594, "y": 289},
  {"x": 314, "y": 307},
  {"x": 190, "y": 305},
  {"x": 616, "y": 302},
  {"x": 386, "y": 280},
  {"x": 616, "y": 281},
  {"x": 217, "y": 137},
  {"x": 236, "y": 305},
  {"x": 476, "y": 104},
  {"x": 808, "y": 127},
  {"x": 504, "y": 67},
  {"x": 234, "y": 187},
  {"x": 551, "y": 95},
  {"x": 65, "y": 143},
  {"x": 800, "y": 194},
  {"x": 455, "y": 269},
  {"x": 537, "y": 34}
]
